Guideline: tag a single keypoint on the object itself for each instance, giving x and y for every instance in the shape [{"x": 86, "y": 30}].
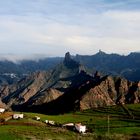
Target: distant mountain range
[
  {"x": 67, "y": 87},
  {"x": 113, "y": 64}
]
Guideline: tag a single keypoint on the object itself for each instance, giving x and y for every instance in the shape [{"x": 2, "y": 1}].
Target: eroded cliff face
[
  {"x": 111, "y": 91},
  {"x": 128, "y": 92},
  {"x": 103, "y": 94},
  {"x": 5, "y": 90},
  {"x": 22, "y": 91}
]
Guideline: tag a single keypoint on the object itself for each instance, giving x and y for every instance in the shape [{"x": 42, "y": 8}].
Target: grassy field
[{"x": 117, "y": 122}]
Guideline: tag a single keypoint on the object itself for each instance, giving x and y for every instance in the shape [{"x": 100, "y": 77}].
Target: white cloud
[
  {"x": 16, "y": 58},
  {"x": 110, "y": 31},
  {"x": 90, "y": 45}
]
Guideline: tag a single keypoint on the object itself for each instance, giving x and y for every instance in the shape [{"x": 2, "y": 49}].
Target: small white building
[
  {"x": 37, "y": 118},
  {"x": 46, "y": 121},
  {"x": 18, "y": 116},
  {"x": 68, "y": 124},
  {"x": 51, "y": 122},
  {"x": 2, "y": 110},
  {"x": 80, "y": 128}
]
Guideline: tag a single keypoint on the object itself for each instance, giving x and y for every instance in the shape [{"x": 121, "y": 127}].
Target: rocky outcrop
[
  {"x": 69, "y": 62},
  {"x": 103, "y": 94},
  {"x": 72, "y": 64},
  {"x": 127, "y": 92}
]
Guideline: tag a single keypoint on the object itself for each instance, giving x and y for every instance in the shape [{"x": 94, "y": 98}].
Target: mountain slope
[
  {"x": 11, "y": 72},
  {"x": 92, "y": 92},
  {"x": 68, "y": 87},
  {"x": 38, "y": 83}
]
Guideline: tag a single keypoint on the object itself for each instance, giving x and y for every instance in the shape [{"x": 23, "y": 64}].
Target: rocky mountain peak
[
  {"x": 69, "y": 62},
  {"x": 101, "y": 53},
  {"x": 67, "y": 56}
]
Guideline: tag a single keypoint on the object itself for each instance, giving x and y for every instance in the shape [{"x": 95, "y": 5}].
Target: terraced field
[{"x": 116, "y": 123}]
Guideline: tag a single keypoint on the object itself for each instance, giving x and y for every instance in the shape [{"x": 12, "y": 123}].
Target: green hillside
[{"x": 116, "y": 122}]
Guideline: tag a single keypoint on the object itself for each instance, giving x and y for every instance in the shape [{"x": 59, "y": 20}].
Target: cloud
[
  {"x": 52, "y": 28},
  {"x": 16, "y": 58},
  {"x": 107, "y": 44}
]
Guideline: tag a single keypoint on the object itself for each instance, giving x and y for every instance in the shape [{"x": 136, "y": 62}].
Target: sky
[{"x": 47, "y": 28}]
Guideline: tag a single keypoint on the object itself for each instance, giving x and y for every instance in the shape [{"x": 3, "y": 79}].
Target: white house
[
  {"x": 68, "y": 124},
  {"x": 2, "y": 110},
  {"x": 46, "y": 121},
  {"x": 18, "y": 116},
  {"x": 80, "y": 128},
  {"x": 51, "y": 122},
  {"x": 37, "y": 118}
]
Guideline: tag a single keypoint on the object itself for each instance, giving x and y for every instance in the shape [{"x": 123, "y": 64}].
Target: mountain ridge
[
  {"x": 127, "y": 66},
  {"x": 68, "y": 87}
]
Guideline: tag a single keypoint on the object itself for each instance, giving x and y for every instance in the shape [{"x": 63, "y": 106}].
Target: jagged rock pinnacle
[
  {"x": 67, "y": 57},
  {"x": 69, "y": 62}
]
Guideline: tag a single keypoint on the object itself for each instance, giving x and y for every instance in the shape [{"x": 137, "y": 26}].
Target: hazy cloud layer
[{"x": 53, "y": 27}]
